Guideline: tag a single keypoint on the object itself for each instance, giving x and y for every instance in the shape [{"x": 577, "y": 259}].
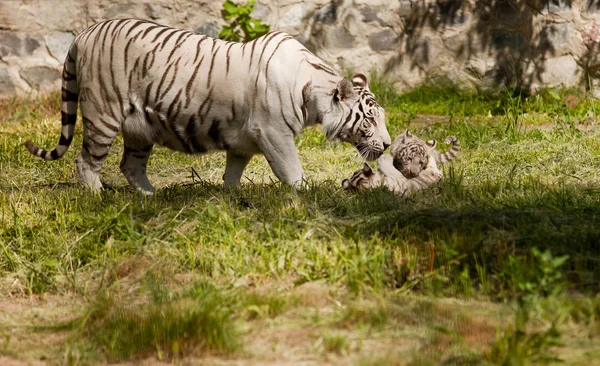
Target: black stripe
[
  {"x": 147, "y": 99},
  {"x": 322, "y": 68},
  {"x": 96, "y": 157},
  {"x": 172, "y": 105},
  {"x": 177, "y": 45},
  {"x": 120, "y": 22},
  {"x": 168, "y": 88},
  {"x": 68, "y": 119},
  {"x": 162, "y": 80},
  {"x": 67, "y": 76},
  {"x": 215, "y": 134},
  {"x": 188, "y": 88},
  {"x": 135, "y": 25},
  {"x": 212, "y": 61},
  {"x": 269, "y": 60},
  {"x": 190, "y": 131},
  {"x": 208, "y": 97},
  {"x": 113, "y": 80},
  {"x": 294, "y": 108},
  {"x": 198, "y": 48},
  {"x": 68, "y": 96},
  {"x": 153, "y": 52},
  {"x": 54, "y": 154},
  {"x": 148, "y": 30},
  {"x": 164, "y": 42},
  {"x": 115, "y": 129},
  {"x": 160, "y": 33},
  {"x": 283, "y": 115},
  {"x": 252, "y": 54},
  {"x": 126, "y": 52},
  {"x": 227, "y": 58}
]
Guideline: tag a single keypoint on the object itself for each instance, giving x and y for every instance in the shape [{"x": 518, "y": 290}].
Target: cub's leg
[
  {"x": 282, "y": 155},
  {"x": 234, "y": 169},
  {"x": 98, "y": 136},
  {"x": 136, "y": 152}
]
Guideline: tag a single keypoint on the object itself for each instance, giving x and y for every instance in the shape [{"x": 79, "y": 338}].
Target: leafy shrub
[{"x": 242, "y": 27}]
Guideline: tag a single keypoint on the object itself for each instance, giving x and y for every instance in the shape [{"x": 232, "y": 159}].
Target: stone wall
[{"x": 480, "y": 44}]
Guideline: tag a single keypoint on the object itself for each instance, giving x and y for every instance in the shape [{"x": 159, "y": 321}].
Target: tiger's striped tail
[
  {"x": 450, "y": 154},
  {"x": 70, "y": 97}
]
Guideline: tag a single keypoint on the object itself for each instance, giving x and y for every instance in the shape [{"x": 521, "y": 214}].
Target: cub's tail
[
  {"x": 70, "y": 97},
  {"x": 450, "y": 154}
]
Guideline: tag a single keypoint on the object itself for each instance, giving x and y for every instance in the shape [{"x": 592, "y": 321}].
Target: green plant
[
  {"x": 518, "y": 345},
  {"x": 335, "y": 343},
  {"x": 540, "y": 276},
  {"x": 242, "y": 27}
]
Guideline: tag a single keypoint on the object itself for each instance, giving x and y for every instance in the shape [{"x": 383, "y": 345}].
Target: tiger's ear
[
  {"x": 345, "y": 90},
  {"x": 432, "y": 144},
  {"x": 360, "y": 80},
  {"x": 406, "y": 135},
  {"x": 367, "y": 170}
]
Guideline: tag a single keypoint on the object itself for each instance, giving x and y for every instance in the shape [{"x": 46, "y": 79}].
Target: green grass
[{"x": 268, "y": 274}]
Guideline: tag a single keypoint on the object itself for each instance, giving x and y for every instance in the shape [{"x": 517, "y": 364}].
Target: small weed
[{"x": 335, "y": 343}]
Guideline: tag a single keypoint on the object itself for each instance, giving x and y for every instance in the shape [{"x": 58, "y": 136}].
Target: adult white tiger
[{"x": 193, "y": 93}]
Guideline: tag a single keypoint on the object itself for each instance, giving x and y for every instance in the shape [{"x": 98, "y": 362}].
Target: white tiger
[{"x": 193, "y": 93}]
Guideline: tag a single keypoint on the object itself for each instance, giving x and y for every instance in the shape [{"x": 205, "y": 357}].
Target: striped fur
[
  {"x": 442, "y": 158},
  {"x": 411, "y": 154},
  {"x": 389, "y": 177},
  {"x": 411, "y": 150},
  {"x": 192, "y": 93}
]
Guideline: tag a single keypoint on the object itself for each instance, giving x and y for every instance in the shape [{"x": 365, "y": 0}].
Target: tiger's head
[
  {"x": 411, "y": 154},
  {"x": 366, "y": 178},
  {"x": 357, "y": 118}
]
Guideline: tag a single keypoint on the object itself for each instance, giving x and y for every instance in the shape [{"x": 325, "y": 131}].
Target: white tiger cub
[
  {"x": 394, "y": 179},
  {"x": 412, "y": 155},
  {"x": 193, "y": 93}
]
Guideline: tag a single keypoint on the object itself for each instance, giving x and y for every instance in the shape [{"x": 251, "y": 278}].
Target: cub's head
[
  {"x": 411, "y": 154},
  {"x": 366, "y": 178},
  {"x": 359, "y": 120}
]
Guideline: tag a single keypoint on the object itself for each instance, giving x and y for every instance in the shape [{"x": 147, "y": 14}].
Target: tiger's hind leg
[
  {"x": 235, "y": 168},
  {"x": 138, "y": 147},
  {"x": 98, "y": 137},
  {"x": 133, "y": 164}
]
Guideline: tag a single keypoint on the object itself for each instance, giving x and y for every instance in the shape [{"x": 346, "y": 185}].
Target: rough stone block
[
  {"x": 210, "y": 29},
  {"x": 339, "y": 38},
  {"x": 561, "y": 70},
  {"x": 119, "y": 11},
  {"x": 504, "y": 39},
  {"x": 385, "y": 40},
  {"x": 557, "y": 6},
  {"x": 39, "y": 75},
  {"x": 6, "y": 84},
  {"x": 295, "y": 15},
  {"x": 260, "y": 12},
  {"x": 559, "y": 36},
  {"x": 58, "y": 44},
  {"x": 508, "y": 13},
  {"x": 12, "y": 44},
  {"x": 327, "y": 14}
]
